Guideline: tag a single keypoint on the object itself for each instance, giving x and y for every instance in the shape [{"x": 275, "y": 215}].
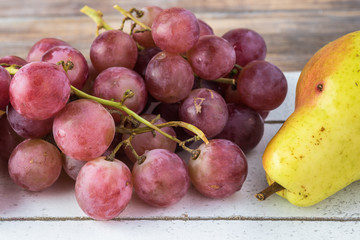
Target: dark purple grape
[
  {"x": 84, "y": 129},
  {"x": 113, "y": 82},
  {"x": 231, "y": 95},
  {"x": 211, "y": 57},
  {"x": 72, "y": 166},
  {"x": 79, "y": 72},
  {"x": 145, "y": 38},
  {"x": 39, "y": 90},
  {"x": 103, "y": 188},
  {"x": 170, "y": 112},
  {"x": 89, "y": 83},
  {"x": 245, "y": 127},
  {"x": 8, "y": 139},
  {"x": 144, "y": 57},
  {"x": 201, "y": 83},
  {"x": 13, "y": 60},
  {"x": 113, "y": 48},
  {"x": 205, "y": 28},
  {"x": 169, "y": 77},
  {"x": 262, "y": 86},
  {"x": 41, "y": 46},
  {"x": 175, "y": 30},
  {"x": 248, "y": 45},
  {"x": 149, "y": 140},
  {"x": 28, "y": 128},
  {"x": 5, "y": 79},
  {"x": 263, "y": 113},
  {"x": 35, "y": 164},
  {"x": 162, "y": 179},
  {"x": 220, "y": 170},
  {"x": 205, "y": 109}
]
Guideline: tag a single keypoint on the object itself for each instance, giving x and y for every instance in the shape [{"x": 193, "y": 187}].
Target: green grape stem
[
  {"x": 97, "y": 17},
  {"x": 123, "y": 108},
  {"x": 11, "y": 68},
  {"x": 127, "y": 14}
]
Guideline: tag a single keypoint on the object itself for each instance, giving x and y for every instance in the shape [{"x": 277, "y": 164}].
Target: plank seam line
[{"x": 234, "y": 218}]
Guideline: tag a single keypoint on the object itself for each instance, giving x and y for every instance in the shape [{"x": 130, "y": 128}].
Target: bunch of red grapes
[{"x": 175, "y": 71}]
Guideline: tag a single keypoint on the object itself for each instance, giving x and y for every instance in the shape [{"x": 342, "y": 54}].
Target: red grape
[
  {"x": 261, "y": 85},
  {"x": 28, "y": 128},
  {"x": 39, "y": 90},
  {"x": 35, "y": 164},
  {"x": 205, "y": 28},
  {"x": 220, "y": 170},
  {"x": 113, "y": 48},
  {"x": 84, "y": 129},
  {"x": 103, "y": 188},
  {"x": 79, "y": 72},
  {"x": 5, "y": 79},
  {"x": 41, "y": 46},
  {"x": 169, "y": 78},
  {"x": 113, "y": 82},
  {"x": 162, "y": 179},
  {"x": 175, "y": 30},
  {"x": 211, "y": 57},
  {"x": 13, "y": 60},
  {"x": 148, "y": 141},
  {"x": 205, "y": 109},
  {"x": 245, "y": 127},
  {"x": 248, "y": 45},
  {"x": 145, "y": 38}
]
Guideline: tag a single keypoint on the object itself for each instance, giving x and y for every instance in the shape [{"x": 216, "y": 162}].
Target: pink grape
[
  {"x": 103, "y": 188},
  {"x": 39, "y": 90},
  {"x": 113, "y": 82},
  {"x": 261, "y": 85},
  {"x": 84, "y": 129},
  {"x": 113, "y": 48},
  {"x": 205, "y": 28},
  {"x": 35, "y": 164},
  {"x": 162, "y": 179},
  {"x": 248, "y": 44},
  {"x": 220, "y": 170},
  {"x": 5, "y": 79},
  {"x": 245, "y": 127},
  {"x": 28, "y": 128},
  {"x": 13, "y": 60},
  {"x": 40, "y": 47},
  {"x": 148, "y": 141},
  {"x": 169, "y": 78},
  {"x": 205, "y": 109},
  {"x": 211, "y": 57},
  {"x": 175, "y": 30},
  {"x": 145, "y": 38},
  {"x": 79, "y": 72},
  {"x": 8, "y": 139}
]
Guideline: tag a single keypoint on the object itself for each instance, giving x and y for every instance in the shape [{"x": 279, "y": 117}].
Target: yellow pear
[{"x": 317, "y": 150}]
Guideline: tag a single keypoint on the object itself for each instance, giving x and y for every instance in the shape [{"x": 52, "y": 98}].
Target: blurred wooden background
[{"x": 292, "y": 29}]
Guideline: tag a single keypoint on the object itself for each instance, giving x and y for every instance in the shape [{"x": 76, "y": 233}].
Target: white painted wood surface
[{"x": 54, "y": 213}]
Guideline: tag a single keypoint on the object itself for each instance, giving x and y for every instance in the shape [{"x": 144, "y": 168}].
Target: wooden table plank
[
  {"x": 197, "y": 229},
  {"x": 293, "y": 30}
]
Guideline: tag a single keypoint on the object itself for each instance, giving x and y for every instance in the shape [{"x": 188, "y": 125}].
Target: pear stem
[{"x": 270, "y": 190}]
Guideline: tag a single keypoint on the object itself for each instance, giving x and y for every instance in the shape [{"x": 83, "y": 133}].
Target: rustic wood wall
[{"x": 292, "y": 29}]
